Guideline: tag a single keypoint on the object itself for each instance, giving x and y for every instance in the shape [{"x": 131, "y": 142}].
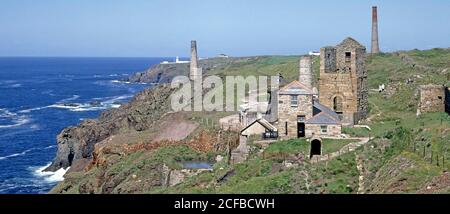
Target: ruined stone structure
[
  {"x": 432, "y": 98},
  {"x": 305, "y": 75},
  {"x": 375, "y": 45},
  {"x": 343, "y": 80},
  {"x": 299, "y": 115},
  {"x": 447, "y": 100},
  {"x": 194, "y": 71}
]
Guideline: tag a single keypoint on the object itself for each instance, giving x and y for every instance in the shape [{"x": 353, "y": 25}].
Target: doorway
[
  {"x": 300, "y": 130},
  {"x": 316, "y": 148}
]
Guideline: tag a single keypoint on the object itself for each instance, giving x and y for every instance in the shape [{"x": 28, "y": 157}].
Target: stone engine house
[
  {"x": 300, "y": 115},
  {"x": 434, "y": 98},
  {"x": 343, "y": 80}
]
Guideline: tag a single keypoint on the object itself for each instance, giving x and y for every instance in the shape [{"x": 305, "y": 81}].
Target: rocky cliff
[
  {"x": 76, "y": 144},
  {"x": 163, "y": 73},
  {"x": 143, "y": 167}
]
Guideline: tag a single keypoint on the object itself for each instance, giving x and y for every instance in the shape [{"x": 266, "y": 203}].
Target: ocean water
[{"x": 41, "y": 96}]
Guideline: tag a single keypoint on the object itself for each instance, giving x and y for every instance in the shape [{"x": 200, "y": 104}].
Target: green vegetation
[
  {"x": 281, "y": 149},
  {"x": 405, "y": 155},
  {"x": 400, "y": 138}
]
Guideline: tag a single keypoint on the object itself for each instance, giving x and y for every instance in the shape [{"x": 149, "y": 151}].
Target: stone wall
[
  {"x": 432, "y": 98},
  {"x": 343, "y": 75},
  {"x": 288, "y": 114},
  {"x": 315, "y": 130},
  {"x": 172, "y": 177}
]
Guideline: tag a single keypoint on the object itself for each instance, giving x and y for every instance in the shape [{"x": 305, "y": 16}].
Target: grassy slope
[
  {"x": 393, "y": 161},
  {"x": 395, "y": 111}
]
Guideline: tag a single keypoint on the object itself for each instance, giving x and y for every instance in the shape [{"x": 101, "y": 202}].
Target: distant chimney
[
  {"x": 194, "y": 70},
  {"x": 305, "y": 74},
  {"x": 375, "y": 45}
]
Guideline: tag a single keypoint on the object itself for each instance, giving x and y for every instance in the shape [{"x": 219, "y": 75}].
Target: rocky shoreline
[{"x": 76, "y": 143}]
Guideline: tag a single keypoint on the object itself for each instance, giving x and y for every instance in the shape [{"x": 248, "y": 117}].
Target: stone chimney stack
[
  {"x": 375, "y": 45},
  {"x": 194, "y": 70},
  {"x": 305, "y": 75}
]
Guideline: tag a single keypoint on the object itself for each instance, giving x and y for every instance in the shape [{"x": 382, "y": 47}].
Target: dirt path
[
  {"x": 174, "y": 127},
  {"x": 360, "y": 167},
  {"x": 345, "y": 149}
]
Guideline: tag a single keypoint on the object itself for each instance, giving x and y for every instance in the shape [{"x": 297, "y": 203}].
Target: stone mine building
[
  {"x": 300, "y": 115},
  {"x": 432, "y": 98},
  {"x": 343, "y": 80}
]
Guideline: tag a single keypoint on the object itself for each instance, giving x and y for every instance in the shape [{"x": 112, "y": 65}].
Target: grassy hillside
[{"x": 407, "y": 154}]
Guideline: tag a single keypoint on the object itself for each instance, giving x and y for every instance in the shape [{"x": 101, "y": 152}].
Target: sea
[{"x": 39, "y": 97}]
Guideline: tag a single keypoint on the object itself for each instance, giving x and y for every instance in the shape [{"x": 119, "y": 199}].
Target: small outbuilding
[{"x": 260, "y": 127}]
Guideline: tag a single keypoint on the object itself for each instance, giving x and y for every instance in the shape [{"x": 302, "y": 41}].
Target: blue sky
[{"x": 235, "y": 27}]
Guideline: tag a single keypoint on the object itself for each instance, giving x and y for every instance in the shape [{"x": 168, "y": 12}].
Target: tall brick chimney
[
  {"x": 375, "y": 45},
  {"x": 194, "y": 71},
  {"x": 305, "y": 74}
]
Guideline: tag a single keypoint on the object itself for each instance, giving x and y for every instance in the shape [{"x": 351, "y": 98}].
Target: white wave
[
  {"x": 72, "y": 98},
  {"x": 96, "y": 105},
  {"x": 2, "y": 82},
  {"x": 15, "y": 85},
  {"x": 33, "y": 109},
  {"x": 16, "y": 154},
  {"x": 78, "y": 107},
  {"x": 48, "y": 92},
  {"x": 128, "y": 82},
  {"x": 50, "y": 177},
  {"x": 35, "y": 126},
  {"x": 50, "y": 147},
  {"x": 16, "y": 120},
  {"x": 6, "y": 114},
  {"x": 10, "y": 84},
  {"x": 118, "y": 98}
]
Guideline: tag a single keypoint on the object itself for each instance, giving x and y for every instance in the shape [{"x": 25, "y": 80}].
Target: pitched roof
[
  {"x": 263, "y": 122},
  {"x": 325, "y": 109},
  {"x": 325, "y": 116},
  {"x": 295, "y": 88},
  {"x": 350, "y": 42}
]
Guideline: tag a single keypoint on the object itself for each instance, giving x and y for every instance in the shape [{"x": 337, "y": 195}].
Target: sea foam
[
  {"x": 50, "y": 177},
  {"x": 11, "y": 117}
]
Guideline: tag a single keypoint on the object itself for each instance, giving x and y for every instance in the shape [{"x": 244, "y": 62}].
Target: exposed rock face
[
  {"x": 77, "y": 143},
  {"x": 137, "y": 167}
]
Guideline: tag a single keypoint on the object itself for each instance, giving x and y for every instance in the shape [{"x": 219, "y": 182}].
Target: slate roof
[
  {"x": 295, "y": 88},
  {"x": 323, "y": 115}
]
